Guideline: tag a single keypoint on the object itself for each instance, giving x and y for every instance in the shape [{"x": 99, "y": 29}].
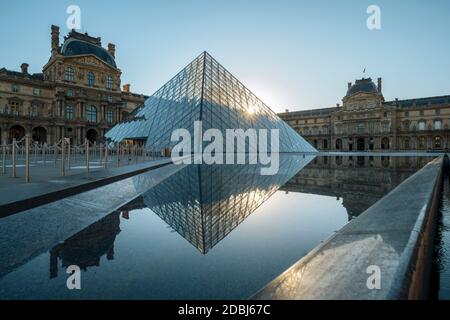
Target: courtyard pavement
[{"x": 47, "y": 184}]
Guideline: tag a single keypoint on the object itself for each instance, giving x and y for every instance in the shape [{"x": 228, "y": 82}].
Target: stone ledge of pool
[{"x": 385, "y": 253}]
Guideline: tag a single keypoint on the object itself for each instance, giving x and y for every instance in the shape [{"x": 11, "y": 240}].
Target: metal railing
[{"x": 66, "y": 156}]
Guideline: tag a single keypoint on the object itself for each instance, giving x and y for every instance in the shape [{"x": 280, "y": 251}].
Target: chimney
[
  {"x": 379, "y": 85},
  {"x": 126, "y": 88},
  {"x": 112, "y": 49},
  {"x": 55, "y": 40},
  {"x": 24, "y": 67},
  {"x": 349, "y": 85}
]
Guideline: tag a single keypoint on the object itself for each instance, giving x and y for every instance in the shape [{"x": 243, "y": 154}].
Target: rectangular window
[
  {"x": 90, "y": 79},
  {"x": 69, "y": 93},
  {"x": 360, "y": 128},
  {"x": 15, "y": 108},
  {"x": 37, "y": 92},
  {"x": 109, "y": 116},
  {"x": 421, "y": 125},
  {"x": 69, "y": 74},
  {"x": 34, "y": 110},
  {"x": 69, "y": 112},
  {"x": 437, "y": 125},
  {"x": 109, "y": 82},
  {"x": 15, "y": 88}
]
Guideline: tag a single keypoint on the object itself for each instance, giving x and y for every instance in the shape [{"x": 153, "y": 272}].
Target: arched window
[
  {"x": 91, "y": 113},
  {"x": 69, "y": 112},
  {"x": 90, "y": 79},
  {"x": 109, "y": 82},
  {"x": 69, "y": 74}
]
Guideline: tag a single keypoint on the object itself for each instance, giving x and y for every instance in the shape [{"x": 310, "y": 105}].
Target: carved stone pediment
[{"x": 89, "y": 60}]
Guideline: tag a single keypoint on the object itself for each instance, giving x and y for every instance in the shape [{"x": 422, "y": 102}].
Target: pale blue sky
[{"x": 292, "y": 54}]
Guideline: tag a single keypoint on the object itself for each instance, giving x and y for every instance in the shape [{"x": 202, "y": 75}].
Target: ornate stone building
[
  {"x": 366, "y": 122},
  {"x": 78, "y": 95}
]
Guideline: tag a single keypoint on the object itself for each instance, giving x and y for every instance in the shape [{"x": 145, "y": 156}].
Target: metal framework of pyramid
[{"x": 203, "y": 91}]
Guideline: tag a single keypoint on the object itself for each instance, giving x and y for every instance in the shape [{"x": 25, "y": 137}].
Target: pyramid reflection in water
[
  {"x": 203, "y": 91},
  {"x": 204, "y": 203}
]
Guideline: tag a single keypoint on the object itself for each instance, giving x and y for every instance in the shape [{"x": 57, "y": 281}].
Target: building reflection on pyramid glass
[
  {"x": 203, "y": 91},
  {"x": 204, "y": 203}
]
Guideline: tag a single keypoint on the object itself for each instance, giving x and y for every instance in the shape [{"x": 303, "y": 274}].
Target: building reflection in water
[
  {"x": 87, "y": 247},
  {"x": 359, "y": 180},
  {"x": 204, "y": 203}
]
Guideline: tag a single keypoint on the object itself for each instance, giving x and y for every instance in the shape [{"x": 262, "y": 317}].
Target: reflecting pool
[{"x": 209, "y": 231}]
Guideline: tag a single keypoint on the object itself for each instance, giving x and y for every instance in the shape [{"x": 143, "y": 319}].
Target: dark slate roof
[
  {"x": 74, "y": 47},
  {"x": 363, "y": 85},
  {"x": 309, "y": 113},
  {"x": 34, "y": 76},
  {"x": 420, "y": 101}
]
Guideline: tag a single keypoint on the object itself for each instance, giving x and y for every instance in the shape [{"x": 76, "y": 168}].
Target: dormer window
[
  {"x": 90, "y": 79},
  {"x": 69, "y": 74}
]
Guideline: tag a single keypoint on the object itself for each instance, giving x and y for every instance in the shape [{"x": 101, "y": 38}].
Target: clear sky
[{"x": 292, "y": 54}]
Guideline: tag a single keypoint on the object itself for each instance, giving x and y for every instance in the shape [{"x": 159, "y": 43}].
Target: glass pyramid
[{"x": 203, "y": 91}]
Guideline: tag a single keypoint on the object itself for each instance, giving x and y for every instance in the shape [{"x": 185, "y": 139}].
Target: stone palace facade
[
  {"x": 367, "y": 122},
  {"x": 78, "y": 94}
]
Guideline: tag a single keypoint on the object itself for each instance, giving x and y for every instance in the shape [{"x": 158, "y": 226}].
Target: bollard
[
  {"x": 87, "y": 154},
  {"x": 100, "y": 150},
  {"x": 44, "y": 152},
  {"x": 68, "y": 154},
  {"x": 106, "y": 155},
  {"x": 63, "y": 157},
  {"x": 55, "y": 155},
  {"x": 14, "y": 150},
  {"x": 27, "y": 158},
  {"x": 4, "y": 157}
]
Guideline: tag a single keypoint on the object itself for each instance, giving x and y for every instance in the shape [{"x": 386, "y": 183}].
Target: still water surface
[{"x": 210, "y": 232}]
